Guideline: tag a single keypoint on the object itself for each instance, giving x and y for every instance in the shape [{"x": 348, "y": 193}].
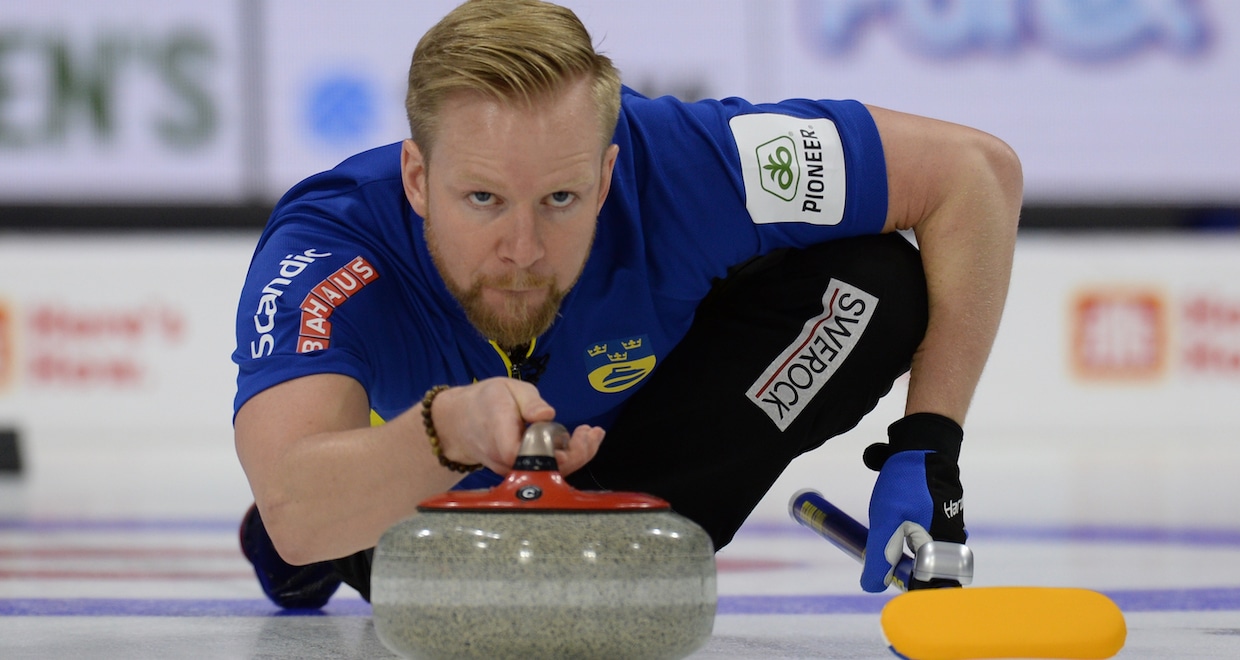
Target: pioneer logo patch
[
  {"x": 793, "y": 168},
  {"x": 788, "y": 384}
]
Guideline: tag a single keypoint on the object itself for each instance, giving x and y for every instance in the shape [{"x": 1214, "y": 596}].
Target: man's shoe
[{"x": 290, "y": 587}]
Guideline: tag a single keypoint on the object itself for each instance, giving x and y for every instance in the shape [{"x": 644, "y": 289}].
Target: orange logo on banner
[{"x": 1119, "y": 334}]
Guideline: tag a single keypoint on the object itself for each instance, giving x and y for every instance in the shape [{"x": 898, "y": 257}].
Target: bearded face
[
  {"x": 510, "y": 205},
  {"x": 520, "y": 307}
]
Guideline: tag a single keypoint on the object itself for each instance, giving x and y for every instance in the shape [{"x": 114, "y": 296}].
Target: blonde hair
[{"x": 517, "y": 51}]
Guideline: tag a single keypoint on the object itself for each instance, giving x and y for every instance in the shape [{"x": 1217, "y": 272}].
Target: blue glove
[{"x": 917, "y": 497}]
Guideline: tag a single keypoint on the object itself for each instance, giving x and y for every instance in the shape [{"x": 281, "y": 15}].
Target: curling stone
[{"x": 534, "y": 568}]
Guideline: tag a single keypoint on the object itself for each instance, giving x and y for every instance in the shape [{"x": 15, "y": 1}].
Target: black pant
[{"x": 693, "y": 434}]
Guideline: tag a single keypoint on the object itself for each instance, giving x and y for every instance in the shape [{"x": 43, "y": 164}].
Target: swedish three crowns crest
[{"x": 616, "y": 365}]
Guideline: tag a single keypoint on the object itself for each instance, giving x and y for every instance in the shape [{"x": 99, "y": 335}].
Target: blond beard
[{"x": 518, "y": 322}]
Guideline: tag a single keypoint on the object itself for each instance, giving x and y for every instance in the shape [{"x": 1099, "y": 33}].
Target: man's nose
[{"x": 522, "y": 243}]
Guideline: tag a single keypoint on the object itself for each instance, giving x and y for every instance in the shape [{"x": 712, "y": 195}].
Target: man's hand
[
  {"x": 484, "y": 422},
  {"x": 917, "y": 497}
]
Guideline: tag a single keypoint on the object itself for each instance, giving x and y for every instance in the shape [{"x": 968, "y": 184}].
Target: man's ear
[{"x": 413, "y": 176}]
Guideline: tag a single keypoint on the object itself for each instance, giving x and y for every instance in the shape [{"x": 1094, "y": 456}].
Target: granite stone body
[{"x": 547, "y": 584}]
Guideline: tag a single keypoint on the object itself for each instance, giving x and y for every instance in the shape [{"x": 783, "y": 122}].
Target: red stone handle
[{"x": 535, "y": 484}]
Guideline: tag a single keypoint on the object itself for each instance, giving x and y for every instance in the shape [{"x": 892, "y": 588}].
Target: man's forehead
[
  {"x": 496, "y": 169},
  {"x": 569, "y": 109},
  {"x": 489, "y": 142}
]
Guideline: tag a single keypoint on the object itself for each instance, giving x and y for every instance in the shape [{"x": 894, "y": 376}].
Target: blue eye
[
  {"x": 482, "y": 198},
  {"x": 561, "y": 199}
]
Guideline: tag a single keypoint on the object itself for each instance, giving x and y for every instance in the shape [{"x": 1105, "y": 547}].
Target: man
[{"x": 538, "y": 249}]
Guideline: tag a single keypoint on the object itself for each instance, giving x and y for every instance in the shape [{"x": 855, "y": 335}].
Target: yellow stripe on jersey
[{"x": 503, "y": 355}]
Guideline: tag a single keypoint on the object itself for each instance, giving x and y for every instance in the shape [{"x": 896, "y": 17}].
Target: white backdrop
[
  {"x": 132, "y": 337},
  {"x": 181, "y": 101}
]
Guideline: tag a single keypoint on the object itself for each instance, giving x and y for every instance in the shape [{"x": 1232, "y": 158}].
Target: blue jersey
[{"x": 342, "y": 282}]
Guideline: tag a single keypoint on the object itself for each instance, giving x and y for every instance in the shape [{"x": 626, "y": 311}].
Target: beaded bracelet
[{"x": 434, "y": 437}]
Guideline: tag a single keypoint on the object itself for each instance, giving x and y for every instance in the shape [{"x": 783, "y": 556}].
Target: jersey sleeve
[
  {"x": 302, "y": 305},
  {"x": 721, "y": 181},
  {"x": 811, "y": 165}
]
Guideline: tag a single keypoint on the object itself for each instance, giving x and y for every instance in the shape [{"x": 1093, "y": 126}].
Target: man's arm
[
  {"x": 959, "y": 190},
  {"x": 328, "y": 484}
]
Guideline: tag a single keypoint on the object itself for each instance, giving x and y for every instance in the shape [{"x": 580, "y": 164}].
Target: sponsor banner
[
  {"x": 1118, "y": 332},
  {"x": 181, "y": 101},
  {"x": 119, "y": 334},
  {"x": 1114, "y": 333},
  {"x": 1129, "y": 97},
  {"x": 1146, "y": 333},
  {"x": 127, "y": 100}
]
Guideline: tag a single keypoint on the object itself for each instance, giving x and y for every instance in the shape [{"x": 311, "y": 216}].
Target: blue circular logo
[{"x": 341, "y": 108}]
